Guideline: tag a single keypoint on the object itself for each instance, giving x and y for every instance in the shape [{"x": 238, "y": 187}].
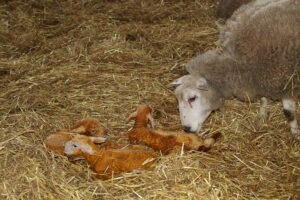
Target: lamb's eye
[
  {"x": 74, "y": 145},
  {"x": 93, "y": 131},
  {"x": 192, "y": 99}
]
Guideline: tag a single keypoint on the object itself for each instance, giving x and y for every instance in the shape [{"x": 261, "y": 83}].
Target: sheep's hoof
[
  {"x": 296, "y": 133},
  {"x": 263, "y": 111},
  {"x": 263, "y": 117},
  {"x": 261, "y": 121}
]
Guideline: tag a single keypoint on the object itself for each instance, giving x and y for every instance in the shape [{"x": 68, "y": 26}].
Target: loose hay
[{"x": 62, "y": 61}]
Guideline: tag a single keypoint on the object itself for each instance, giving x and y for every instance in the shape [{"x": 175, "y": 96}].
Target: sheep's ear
[
  {"x": 202, "y": 84},
  {"x": 219, "y": 25},
  {"x": 98, "y": 140},
  {"x": 132, "y": 116},
  {"x": 179, "y": 81},
  {"x": 151, "y": 120}
]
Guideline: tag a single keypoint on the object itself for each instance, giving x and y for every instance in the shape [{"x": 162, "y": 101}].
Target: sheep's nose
[{"x": 187, "y": 129}]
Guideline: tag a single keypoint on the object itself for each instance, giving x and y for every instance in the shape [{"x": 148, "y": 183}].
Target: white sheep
[{"x": 257, "y": 56}]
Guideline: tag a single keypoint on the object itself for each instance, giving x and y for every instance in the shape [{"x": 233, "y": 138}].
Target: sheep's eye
[
  {"x": 74, "y": 145},
  {"x": 192, "y": 99}
]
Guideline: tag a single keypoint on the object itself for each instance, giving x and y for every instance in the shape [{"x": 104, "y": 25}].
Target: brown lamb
[
  {"x": 106, "y": 161},
  {"x": 164, "y": 141},
  {"x": 89, "y": 127}
]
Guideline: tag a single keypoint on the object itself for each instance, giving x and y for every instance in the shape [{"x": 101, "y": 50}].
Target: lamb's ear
[
  {"x": 202, "y": 84},
  {"x": 80, "y": 130},
  {"x": 179, "y": 81},
  {"x": 98, "y": 140},
  {"x": 151, "y": 120},
  {"x": 132, "y": 116}
]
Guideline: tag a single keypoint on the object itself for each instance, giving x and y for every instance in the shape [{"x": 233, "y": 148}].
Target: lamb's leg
[
  {"x": 263, "y": 113},
  {"x": 289, "y": 110},
  {"x": 209, "y": 142}
]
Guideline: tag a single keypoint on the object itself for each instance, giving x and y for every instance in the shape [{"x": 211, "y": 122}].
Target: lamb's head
[
  {"x": 197, "y": 99},
  {"x": 89, "y": 127},
  {"x": 82, "y": 144},
  {"x": 143, "y": 114}
]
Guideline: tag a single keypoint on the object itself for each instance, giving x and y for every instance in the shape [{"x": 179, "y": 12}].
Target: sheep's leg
[
  {"x": 263, "y": 113},
  {"x": 289, "y": 110}
]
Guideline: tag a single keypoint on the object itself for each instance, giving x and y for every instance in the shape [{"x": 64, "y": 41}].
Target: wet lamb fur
[
  {"x": 56, "y": 141},
  {"x": 164, "y": 141},
  {"x": 257, "y": 56},
  {"x": 89, "y": 127},
  {"x": 109, "y": 160}
]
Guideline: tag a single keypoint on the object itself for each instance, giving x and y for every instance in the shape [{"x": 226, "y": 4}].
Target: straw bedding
[{"x": 62, "y": 61}]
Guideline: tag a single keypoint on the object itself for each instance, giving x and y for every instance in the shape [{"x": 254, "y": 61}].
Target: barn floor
[{"x": 62, "y": 61}]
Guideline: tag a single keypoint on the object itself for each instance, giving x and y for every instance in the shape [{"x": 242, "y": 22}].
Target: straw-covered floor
[{"x": 62, "y": 61}]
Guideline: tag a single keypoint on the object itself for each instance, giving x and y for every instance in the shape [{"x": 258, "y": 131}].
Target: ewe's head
[
  {"x": 82, "y": 144},
  {"x": 197, "y": 99},
  {"x": 88, "y": 126},
  {"x": 143, "y": 113}
]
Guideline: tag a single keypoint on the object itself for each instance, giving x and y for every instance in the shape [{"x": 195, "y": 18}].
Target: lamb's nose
[{"x": 187, "y": 129}]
